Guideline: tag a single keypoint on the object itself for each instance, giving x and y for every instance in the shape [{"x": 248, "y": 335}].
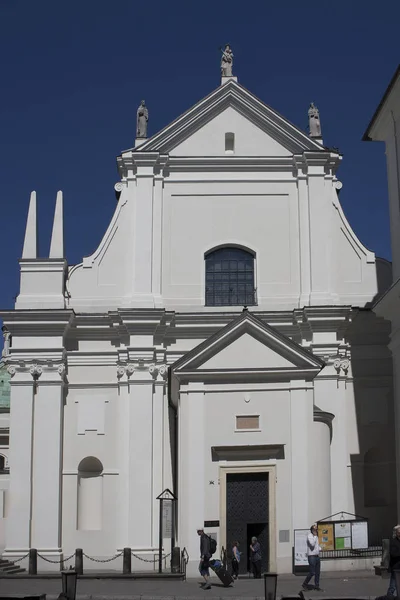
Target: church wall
[
  {"x": 90, "y": 431},
  {"x": 261, "y": 217}
]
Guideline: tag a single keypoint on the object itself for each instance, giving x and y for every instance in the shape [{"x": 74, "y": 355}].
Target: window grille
[{"x": 230, "y": 277}]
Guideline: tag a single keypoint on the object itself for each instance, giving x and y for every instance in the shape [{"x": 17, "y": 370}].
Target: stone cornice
[{"x": 37, "y": 322}]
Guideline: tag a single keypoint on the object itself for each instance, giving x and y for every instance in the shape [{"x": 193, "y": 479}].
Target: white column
[
  {"x": 320, "y": 480},
  {"x": 158, "y": 444},
  {"x": 304, "y": 227},
  {"x": 47, "y": 462},
  {"x": 330, "y": 395},
  {"x": 191, "y": 468},
  {"x": 140, "y": 463},
  {"x": 301, "y": 420},
  {"x": 18, "y": 528}
]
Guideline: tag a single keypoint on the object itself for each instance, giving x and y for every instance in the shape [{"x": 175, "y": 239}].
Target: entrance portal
[{"x": 247, "y": 515}]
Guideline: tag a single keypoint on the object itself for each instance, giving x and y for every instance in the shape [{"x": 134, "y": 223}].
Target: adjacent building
[{"x": 385, "y": 127}]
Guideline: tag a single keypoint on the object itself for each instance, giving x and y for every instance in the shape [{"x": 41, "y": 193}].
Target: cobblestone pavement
[{"x": 360, "y": 584}]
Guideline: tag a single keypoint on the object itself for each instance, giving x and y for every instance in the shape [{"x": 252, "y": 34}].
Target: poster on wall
[
  {"x": 325, "y": 536},
  {"x": 342, "y": 536},
  {"x": 359, "y": 533},
  {"x": 300, "y": 547}
]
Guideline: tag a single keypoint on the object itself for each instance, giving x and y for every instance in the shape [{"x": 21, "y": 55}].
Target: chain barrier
[
  {"x": 150, "y": 560},
  {"x": 56, "y": 562},
  {"x": 19, "y": 559},
  {"x": 105, "y": 560}
]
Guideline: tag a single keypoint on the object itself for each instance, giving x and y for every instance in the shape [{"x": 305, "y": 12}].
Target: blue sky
[{"x": 73, "y": 73}]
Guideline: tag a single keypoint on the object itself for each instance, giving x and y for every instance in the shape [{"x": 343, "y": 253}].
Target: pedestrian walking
[
  {"x": 205, "y": 555},
  {"x": 394, "y": 562},
  {"x": 314, "y": 561},
  {"x": 255, "y": 557},
  {"x": 235, "y": 560}
]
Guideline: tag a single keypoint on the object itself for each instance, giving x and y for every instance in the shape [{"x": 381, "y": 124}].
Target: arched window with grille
[{"x": 230, "y": 277}]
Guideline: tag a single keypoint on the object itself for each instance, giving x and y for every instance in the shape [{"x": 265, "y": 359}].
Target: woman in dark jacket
[{"x": 394, "y": 564}]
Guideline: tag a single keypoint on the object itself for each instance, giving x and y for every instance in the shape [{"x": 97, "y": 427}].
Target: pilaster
[
  {"x": 301, "y": 419},
  {"x": 18, "y": 527},
  {"x": 304, "y": 234},
  {"x": 191, "y": 467},
  {"x": 143, "y": 228},
  {"x": 47, "y": 460},
  {"x": 157, "y": 234},
  {"x": 140, "y": 451}
]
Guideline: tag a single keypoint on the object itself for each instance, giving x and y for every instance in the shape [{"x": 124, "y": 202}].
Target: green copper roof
[{"x": 4, "y": 387}]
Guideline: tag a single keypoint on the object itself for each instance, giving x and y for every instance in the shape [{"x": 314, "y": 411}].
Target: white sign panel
[
  {"x": 167, "y": 518},
  {"x": 359, "y": 531},
  {"x": 300, "y": 547}
]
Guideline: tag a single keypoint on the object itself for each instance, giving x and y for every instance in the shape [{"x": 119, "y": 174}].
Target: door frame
[{"x": 251, "y": 468}]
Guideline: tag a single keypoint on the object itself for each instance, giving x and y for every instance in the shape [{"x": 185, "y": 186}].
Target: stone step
[
  {"x": 12, "y": 570},
  {"x": 7, "y": 567}
]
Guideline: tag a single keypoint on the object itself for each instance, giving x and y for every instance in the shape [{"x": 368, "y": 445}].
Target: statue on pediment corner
[
  {"x": 314, "y": 122},
  {"x": 226, "y": 61},
  {"x": 142, "y": 117}
]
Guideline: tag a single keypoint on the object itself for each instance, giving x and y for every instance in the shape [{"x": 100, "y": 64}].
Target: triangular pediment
[
  {"x": 230, "y": 108},
  {"x": 249, "y": 346}
]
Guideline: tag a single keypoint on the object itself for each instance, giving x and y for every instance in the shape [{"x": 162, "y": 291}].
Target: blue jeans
[
  {"x": 315, "y": 569},
  {"x": 392, "y": 589}
]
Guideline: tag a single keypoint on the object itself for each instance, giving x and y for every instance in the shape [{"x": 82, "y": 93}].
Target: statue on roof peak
[
  {"x": 314, "y": 122},
  {"x": 142, "y": 117},
  {"x": 226, "y": 61}
]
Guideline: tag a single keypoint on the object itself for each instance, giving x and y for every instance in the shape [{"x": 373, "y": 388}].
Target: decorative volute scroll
[
  {"x": 35, "y": 370},
  {"x": 49, "y": 371},
  {"x": 154, "y": 369},
  {"x": 341, "y": 365},
  {"x": 127, "y": 369}
]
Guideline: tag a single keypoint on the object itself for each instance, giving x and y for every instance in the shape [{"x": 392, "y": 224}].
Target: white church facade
[{"x": 219, "y": 343}]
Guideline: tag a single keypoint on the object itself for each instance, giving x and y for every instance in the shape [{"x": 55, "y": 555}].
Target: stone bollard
[
  {"x": 33, "y": 561},
  {"x": 176, "y": 560},
  {"x": 79, "y": 561},
  {"x": 127, "y": 561}
]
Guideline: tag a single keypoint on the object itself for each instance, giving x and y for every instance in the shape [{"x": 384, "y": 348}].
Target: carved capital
[
  {"x": 11, "y": 370},
  {"x": 35, "y": 370},
  {"x": 163, "y": 370},
  {"x": 120, "y": 372},
  {"x": 336, "y": 365},
  {"x": 130, "y": 369},
  {"x": 153, "y": 370},
  {"x": 341, "y": 365},
  {"x": 345, "y": 364}
]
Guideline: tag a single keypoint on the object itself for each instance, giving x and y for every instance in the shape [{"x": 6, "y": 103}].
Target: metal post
[
  {"x": 79, "y": 561},
  {"x": 33, "y": 561},
  {"x": 160, "y": 537},
  {"x": 173, "y": 503},
  {"x": 127, "y": 561}
]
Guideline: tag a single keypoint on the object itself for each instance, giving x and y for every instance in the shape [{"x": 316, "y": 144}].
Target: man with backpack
[{"x": 207, "y": 549}]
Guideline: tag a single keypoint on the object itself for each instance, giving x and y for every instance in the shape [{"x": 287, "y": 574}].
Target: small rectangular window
[
  {"x": 229, "y": 143},
  {"x": 248, "y": 422}
]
